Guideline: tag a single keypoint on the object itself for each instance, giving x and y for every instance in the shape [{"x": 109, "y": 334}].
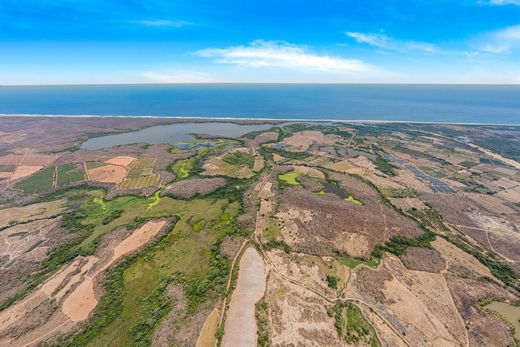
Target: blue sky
[{"x": 327, "y": 41}]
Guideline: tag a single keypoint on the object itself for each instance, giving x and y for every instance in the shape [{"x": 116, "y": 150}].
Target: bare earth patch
[
  {"x": 240, "y": 328},
  {"x": 25, "y": 170},
  {"x": 189, "y": 188},
  {"x": 107, "y": 174},
  {"x": 120, "y": 160}
]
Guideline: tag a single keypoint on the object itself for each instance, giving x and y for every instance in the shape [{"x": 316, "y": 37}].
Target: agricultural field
[{"x": 304, "y": 234}]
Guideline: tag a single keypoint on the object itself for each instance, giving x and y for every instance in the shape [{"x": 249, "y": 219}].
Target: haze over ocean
[{"x": 493, "y": 104}]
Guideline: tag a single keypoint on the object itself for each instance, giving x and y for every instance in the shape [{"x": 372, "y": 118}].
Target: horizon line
[
  {"x": 259, "y": 83},
  {"x": 209, "y": 119}
]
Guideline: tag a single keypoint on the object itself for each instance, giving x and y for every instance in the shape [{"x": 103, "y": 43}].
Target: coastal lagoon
[{"x": 172, "y": 134}]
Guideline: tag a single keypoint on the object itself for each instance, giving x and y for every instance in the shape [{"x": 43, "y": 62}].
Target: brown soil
[
  {"x": 423, "y": 259},
  {"x": 321, "y": 225},
  {"x": 25, "y": 170},
  {"x": 240, "y": 328},
  {"x": 196, "y": 186},
  {"x": 120, "y": 160},
  {"x": 107, "y": 174}
]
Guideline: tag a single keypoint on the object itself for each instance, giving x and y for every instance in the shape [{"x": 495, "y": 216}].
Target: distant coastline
[
  {"x": 445, "y": 104},
  {"x": 260, "y": 119}
]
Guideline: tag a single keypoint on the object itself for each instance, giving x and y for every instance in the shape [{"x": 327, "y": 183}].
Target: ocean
[{"x": 489, "y": 104}]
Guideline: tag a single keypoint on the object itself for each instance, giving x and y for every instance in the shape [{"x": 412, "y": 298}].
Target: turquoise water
[{"x": 432, "y": 103}]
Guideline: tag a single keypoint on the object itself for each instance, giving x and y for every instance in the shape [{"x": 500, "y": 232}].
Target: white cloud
[
  {"x": 386, "y": 42},
  {"x": 501, "y": 2},
  {"x": 278, "y": 54},
  {"x": 169, "y": 23},
  {"x": 500, "y": 41},
  {"x": 177, "y": 77}
]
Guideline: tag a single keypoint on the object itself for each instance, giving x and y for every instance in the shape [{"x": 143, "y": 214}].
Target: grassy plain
[{"x": 38, "y": 182}]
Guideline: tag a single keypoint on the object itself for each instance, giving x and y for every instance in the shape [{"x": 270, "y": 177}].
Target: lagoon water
[
  {"x": 172, "y": 134},
  {"x": 431, "y": 103}
]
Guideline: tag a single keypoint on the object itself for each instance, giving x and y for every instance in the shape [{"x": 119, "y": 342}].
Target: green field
[
  {"x": 136, "y": 302},
  {"x": 38, "y": 182},
  {"x": 93, "y": 164},
  {"x": 68, "y": 173},
  {"x": 240, "y": 159},
  {"x": 352, "y": 327},
  {"x": 289, "y": 178},
  {"x": 354, "y": 200}
]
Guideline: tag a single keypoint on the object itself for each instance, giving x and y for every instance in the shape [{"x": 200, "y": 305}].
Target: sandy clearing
[
  {"x": 82, "y": 301},
  {"x": 5, "y": 175},
  {"x": 309, "y": 171},
  {"x": 207, "y": 334},
  {"x": 120, "y": 160},
  {"x": 240, "y": 328},
  {"x": 456, "y": 256},
  {"x": 259, "y": 164},
  {"x": 301, "y": 141},
  {"x": 107, "y": 174},
  {"x": 31, "y": 212},
  {"x": 25, "y": 170}
]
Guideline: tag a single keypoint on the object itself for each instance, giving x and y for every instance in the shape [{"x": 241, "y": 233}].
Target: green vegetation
[
  {"x": 38, "y": 182},
  {"x": 429, "y": 218},
  {"x": 384, "y": 166},
  {"x": 468, "y": 164},
  {"x": 272, "y": 232},
  {"x": 68, "y": 173},
  {"x": 262, "y": 321},
  {"x": 398, "y": 244},
  {"x": 354, "y": 200},
  {"x": 351, "y": 326},
  {"x": 191, "y": 166},
  {"x": 398, "y": 193},
  {"x": 502, "y": 271},
  {"x": 352, "y": 262},
  {"x": 135, "y": 300},
  {"x": 155, "y": 199},
  {"x": 289, "y": 179},
  {"x": 277, "y": 244},
  {"x": 93, "y": 164},
  {"x": 240, "y": 159},
  {"x": 332, "y": 281}
]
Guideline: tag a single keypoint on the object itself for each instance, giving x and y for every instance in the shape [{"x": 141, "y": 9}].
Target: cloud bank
[
  {"x": 385, "y": 42},
  {"x": 280, "y": 54}
]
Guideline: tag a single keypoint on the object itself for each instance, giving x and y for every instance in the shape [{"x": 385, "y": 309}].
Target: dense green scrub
[
  {"x": 135, "y": 300},
  {"x": 351, "y": 326},
  {"x": 39, "y": 182}
]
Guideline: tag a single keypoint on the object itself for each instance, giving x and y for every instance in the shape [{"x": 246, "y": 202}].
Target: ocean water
[{"x": 426, "y": 103}]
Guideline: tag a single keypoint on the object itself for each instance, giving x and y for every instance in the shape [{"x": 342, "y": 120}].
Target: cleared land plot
[
  {"x": 120, "y": 160},
  {"x": 189, "y": 188},
  {"x": 142, "y": 163},
  {"x": 240, "y": 328},
  {"x": 37, "y": 183},
  {"x": 24, "y": 171},
  {"x": 69, "y": 173},
  {"x": 107, "y": 173}
]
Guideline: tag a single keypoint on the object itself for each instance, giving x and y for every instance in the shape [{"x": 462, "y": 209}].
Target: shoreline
[{"x": 261, "y": 119}]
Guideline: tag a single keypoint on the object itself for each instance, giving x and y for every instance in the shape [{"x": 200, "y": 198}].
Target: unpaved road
[{"x": 240, "y": 328}]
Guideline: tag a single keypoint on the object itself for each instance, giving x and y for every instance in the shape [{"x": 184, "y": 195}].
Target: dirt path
[{"x": 240, "y": 329}]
